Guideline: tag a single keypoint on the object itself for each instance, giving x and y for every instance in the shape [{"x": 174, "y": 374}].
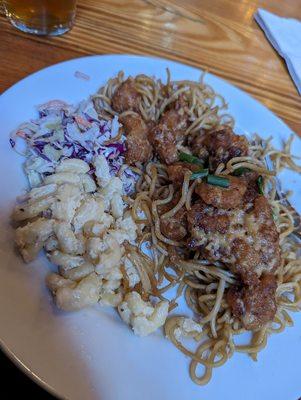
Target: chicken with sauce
[
  {"x": 170, "y": 132},
  {"x": 255, "y": 305},
  {"x": 245, "y": 240},
  {"x": 232, "y": 225},
  {"x": 127, "y": 99},
  {"x": 175, "y": 227},
  {"x": 138, "y": 147},
  {"x": 219, "y": 146},
  {"x": 177, "y": 171},
  {"x": 225, "y": 198}
]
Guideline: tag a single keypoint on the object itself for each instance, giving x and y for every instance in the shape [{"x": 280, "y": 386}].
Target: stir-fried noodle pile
[{"x": 172, "y": 264}]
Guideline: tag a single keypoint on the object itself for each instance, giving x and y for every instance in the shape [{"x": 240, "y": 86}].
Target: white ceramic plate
[{"x": 91, "y": 354}]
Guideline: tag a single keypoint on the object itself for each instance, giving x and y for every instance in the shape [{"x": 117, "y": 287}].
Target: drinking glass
[{"x": 41, "y": 17}]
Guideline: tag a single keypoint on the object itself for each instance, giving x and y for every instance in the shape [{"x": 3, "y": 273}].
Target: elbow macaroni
[
  {"x": 141, "y": 315},
  {"x": 83, "y": 227}
]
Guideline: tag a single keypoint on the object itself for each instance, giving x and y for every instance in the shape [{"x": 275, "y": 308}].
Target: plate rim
[
  {"x": 154, "y": 58},
  {"x": 18, "y": 363},
  {"x": 12, "y": 356}
]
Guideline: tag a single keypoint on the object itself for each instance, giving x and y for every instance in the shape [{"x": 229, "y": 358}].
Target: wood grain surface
[{"x": 218, "y": 35}]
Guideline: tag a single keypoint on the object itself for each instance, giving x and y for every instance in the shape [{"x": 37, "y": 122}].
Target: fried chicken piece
[
  {"x": 252, "y": 188},
  {"x": 208, "y": 219},
  {"x": 126, "y": 97},
  {"x": 164, "y": 143},
  {"x": 177, "y": 171},
  {"x": 248, "y": 243},
  {"x": 175, "y": 227},
  {"x": 169, "y": 132},
  {"x": 255, "y": 246},
  {"x": 254, "y": 305},
  {"x": 266, "y": 236},
  {"x": 138, "y": 147},
  {"x": 220, "y": 146},
  {"x": 223, "y": 145},
  {"x": 246, "y": 259},
  {"x": 225, "y": 198},
  {"x": 176, "y": 119},
  {"x": 196, "y": 144},
  {"x": 207, "y": 227}
]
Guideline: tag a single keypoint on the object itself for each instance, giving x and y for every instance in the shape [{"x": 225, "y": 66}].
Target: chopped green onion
[
  {"x": 274, "y": 215},
  {"x": 190, "y": 158},
  {"x": 260, "y": 184},
  {"x": 218, "y": 181},
  {"x": 240, "y": 171},
  {"x": 211, "y": 179},
  {"x": 199, "y": 174}
]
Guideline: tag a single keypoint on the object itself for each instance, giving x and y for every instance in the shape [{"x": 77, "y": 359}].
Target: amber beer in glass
[{"x": 41, "y": 17}]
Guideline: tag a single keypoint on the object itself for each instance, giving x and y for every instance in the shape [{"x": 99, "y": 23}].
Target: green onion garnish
[
  {"x": 199, "y": 174},
  {"x": 260, "y": 184},
  {"x": 211, "y": 179},
  {"x": 218, "y": 181},
  {"x": 190, "y": 158},
  {"x": 240, "y": 171}
]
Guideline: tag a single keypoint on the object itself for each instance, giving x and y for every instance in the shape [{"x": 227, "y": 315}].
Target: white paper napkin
[{"x": 285, "y": 36}]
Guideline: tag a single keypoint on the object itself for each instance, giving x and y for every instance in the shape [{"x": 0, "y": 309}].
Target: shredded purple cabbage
[{"x": 63, "y": 131}]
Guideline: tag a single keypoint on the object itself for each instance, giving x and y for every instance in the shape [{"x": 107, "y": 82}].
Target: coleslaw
[{"x": 64, "y": 131}]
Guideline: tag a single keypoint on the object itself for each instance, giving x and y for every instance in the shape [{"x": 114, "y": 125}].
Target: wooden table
[{"x": 218, "y": 35}]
